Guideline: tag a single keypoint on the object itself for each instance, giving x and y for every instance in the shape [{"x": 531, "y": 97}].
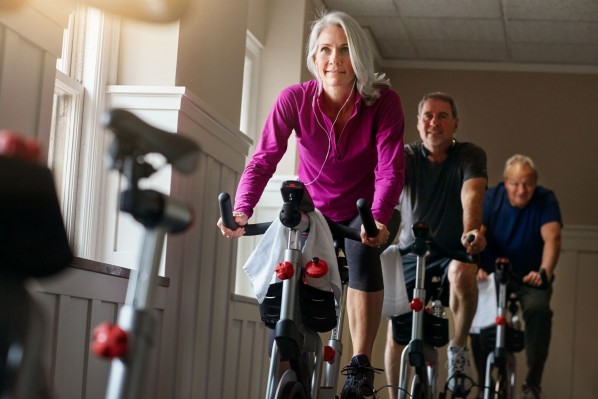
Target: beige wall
[
  {"x": 211, "y": 53},
  {"x": 147, "y": 53},
  {"x": 548, "y": 116}
]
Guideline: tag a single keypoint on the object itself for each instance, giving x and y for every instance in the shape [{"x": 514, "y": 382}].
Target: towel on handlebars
[
  {"x": 396, "y": 301},
  {"x": 270, "y": 251},
  {"x": 487, "y": 305}
]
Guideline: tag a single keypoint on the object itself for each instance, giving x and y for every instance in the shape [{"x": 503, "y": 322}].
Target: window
[
  {"x": 65, "y": 143},
  {"x": 249, "y": 126},
  {"x": 77, "y": 142}
]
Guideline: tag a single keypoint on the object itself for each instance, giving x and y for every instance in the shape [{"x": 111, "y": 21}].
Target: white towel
[
  {"x": 396, "y": 301},
  {"x": 270, "y": 251},
  {"x": 487, "y": 305}
]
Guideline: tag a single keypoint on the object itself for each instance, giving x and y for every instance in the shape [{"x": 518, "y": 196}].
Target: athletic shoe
[
  {"x": 459, "y": 370},
  {"x": 359, "y": 383}
]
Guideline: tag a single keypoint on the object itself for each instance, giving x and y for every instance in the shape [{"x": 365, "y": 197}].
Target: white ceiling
[{"x": 550, "y": 35}]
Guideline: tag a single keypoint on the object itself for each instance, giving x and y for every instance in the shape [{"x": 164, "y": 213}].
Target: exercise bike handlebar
[
  {"x": 430, "y": 243},
  {"x": 337, "y": 229},
  {"x": 226, "y": 212},
  {"x": 505, "y": 274}
]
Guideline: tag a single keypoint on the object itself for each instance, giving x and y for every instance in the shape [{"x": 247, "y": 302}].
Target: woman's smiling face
[{"x": 333, "y": 59}]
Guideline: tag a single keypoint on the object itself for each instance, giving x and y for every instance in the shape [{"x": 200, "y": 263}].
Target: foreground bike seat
[{"x": 33, "y": 240}]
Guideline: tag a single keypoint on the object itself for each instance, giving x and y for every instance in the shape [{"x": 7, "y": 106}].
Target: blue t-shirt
[{"x": 514, "y": 233}]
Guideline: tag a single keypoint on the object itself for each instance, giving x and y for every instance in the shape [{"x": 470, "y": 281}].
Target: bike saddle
[{"x": 134, "y": 137}]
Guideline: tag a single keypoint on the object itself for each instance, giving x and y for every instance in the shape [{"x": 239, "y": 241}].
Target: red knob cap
[
  {"x": 501, "y": 321},
  {"x": 329, "y": 354},
  {"x": 109, "y": 341},
  {"x": 12, "y": 144},
  {"x": 316, "y": 268},
  {"x": 416, "y": 304},
  {"x": 284, "y": 270}
]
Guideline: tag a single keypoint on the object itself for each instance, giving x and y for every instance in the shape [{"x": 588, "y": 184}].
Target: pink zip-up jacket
[{"x": 367, "y": 161}]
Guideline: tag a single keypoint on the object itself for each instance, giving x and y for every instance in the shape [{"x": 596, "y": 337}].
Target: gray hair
[
  {"x": 361, "y": 52},
  {"x": 438, "y": 96},
  {"x": 519, "y": 159}
]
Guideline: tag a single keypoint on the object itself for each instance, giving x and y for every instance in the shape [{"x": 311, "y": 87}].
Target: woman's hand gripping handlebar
[{"x": 234, "y": 224}]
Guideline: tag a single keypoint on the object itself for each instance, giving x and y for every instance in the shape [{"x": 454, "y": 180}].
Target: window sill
[
  {"x": 112, "y": 270},
  {"x": 243, "y": 298}
]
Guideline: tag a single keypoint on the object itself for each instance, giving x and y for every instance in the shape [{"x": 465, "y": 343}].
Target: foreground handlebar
[{"x": 337, "y": 229}]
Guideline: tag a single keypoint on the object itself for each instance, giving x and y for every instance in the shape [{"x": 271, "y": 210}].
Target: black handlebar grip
[
  {"x": 226, "y": 211},
  {"x": 365, "y": 211},
  {"x": 470, "y": 238}
]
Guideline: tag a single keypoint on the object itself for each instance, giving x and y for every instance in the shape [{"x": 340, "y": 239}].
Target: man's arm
[
  {"x": 472, "y": 200},
  {"x": 551, "y": 234}
]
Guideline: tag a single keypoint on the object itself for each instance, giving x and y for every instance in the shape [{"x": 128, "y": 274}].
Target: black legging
[{"x": 365, "y": 269}]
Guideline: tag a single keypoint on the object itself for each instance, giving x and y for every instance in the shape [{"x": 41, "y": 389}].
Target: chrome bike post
[
  {"x": 136, "y": 319},
  {"x": 403, "y": 373},
  {"x": 332, "y": 370}
]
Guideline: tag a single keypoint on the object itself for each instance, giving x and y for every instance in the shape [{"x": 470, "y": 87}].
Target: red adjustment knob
[
  {"x": 109, "y": 341},
  {"x": 316, "y": 268},
  {"x": 12, "y": 144},
  {"x": 329, "y": 354},
  {"x": 416, "y": 304},
  {"x": 284, "y": 270},
  {"x": 501, "y": 321}
]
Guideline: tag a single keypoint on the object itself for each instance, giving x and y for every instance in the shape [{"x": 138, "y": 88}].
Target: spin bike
[
  {"x": 33, "y": 244},
  {"x": 429, "y": 327},
  {"x": 506, "y": 337},
  {"x": 298, "y": 312},
  {"x": 129, "y": 342}
]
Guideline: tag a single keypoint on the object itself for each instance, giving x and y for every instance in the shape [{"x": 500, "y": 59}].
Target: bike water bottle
[
  {"x": 438, "y": 309},
  {"x": 515, "y": 322},
  {"x": 436, "y": 330},
  {"x": 316, "y": 271}
]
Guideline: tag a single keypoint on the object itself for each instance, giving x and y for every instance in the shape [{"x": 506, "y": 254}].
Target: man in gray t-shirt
[
  {"x": 432, "y": 193},
  {"x": 445, "y": 182}
]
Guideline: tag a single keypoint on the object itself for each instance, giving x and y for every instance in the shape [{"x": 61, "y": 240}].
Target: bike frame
[
  {"x": 292, "y": 339},
  {"x": 501, "y": 359},
  {"x": 418, "y": 353},
  {"x": 332, "y": 369}
]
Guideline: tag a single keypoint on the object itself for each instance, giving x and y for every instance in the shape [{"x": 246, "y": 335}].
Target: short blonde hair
[{"x": 519, "y": 159}]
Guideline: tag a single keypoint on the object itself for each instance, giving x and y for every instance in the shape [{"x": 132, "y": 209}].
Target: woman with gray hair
[{"x": 349, "y": 129}]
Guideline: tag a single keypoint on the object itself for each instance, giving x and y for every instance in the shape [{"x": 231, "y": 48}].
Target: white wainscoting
[{"x": 571, "y": 370}]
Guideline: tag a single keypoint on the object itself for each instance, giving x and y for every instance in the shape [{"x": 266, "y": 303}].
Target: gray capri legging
[{"x": 365, "y": 269}]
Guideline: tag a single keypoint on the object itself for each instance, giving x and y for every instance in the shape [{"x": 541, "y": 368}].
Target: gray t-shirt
[{"x": 432, "y": 192}]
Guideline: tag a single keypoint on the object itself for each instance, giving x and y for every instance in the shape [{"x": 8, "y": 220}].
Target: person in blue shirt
[{"x": 522, "y": 221}]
